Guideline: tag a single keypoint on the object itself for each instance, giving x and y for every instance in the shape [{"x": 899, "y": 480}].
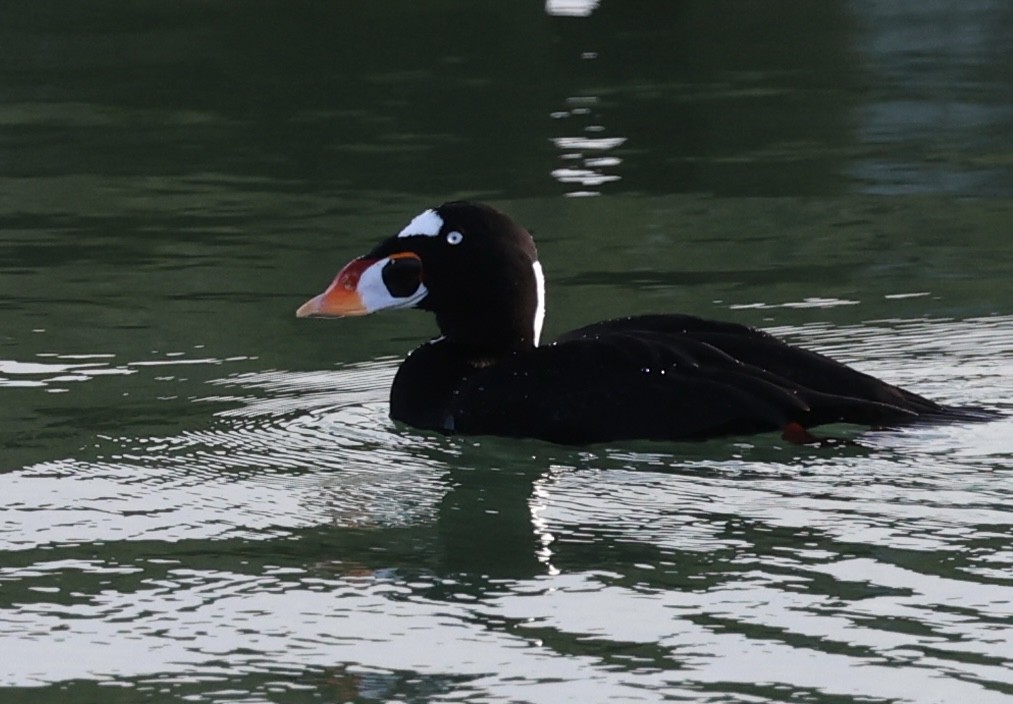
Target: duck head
[{"x": 469, "y": 264}]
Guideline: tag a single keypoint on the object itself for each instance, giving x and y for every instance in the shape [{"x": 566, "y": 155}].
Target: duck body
[{"x": 655, "y": 377}]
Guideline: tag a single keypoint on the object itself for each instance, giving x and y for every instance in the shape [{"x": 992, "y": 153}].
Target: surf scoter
[{"x": 656, "y": 377}]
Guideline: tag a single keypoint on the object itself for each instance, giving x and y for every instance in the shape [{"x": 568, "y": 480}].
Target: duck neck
[
  {"x": 483, "y": 338},
  {"x": 494, "y": 327}
]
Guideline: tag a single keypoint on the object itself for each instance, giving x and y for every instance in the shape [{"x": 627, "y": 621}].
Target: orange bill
[{"x": 342, "y": 297}]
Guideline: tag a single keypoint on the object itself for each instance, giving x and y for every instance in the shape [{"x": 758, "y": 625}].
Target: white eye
[{"x": 454, "y": 237}]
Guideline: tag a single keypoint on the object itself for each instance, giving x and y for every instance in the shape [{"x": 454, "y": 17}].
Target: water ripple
[
  {"x": 302, "y": 528},
  {"x": 317, "y": 448}
]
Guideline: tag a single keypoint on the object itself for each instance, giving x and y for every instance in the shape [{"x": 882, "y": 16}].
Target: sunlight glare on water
[
  {"x": 851, "y": 559},
  {"x": 257, "y": 472}
]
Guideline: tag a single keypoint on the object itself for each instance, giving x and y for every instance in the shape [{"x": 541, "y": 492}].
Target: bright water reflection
[{"x": 303, "y": 529}]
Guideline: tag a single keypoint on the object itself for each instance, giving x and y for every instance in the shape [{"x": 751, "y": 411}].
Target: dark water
[{"x": 203, "y": 498}]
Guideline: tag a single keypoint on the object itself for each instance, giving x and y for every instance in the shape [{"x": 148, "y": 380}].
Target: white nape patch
[
  {"x": 540, "y": 306},
  {"x": 428, "y": 223},
  {"x": 374, "y": 293}
]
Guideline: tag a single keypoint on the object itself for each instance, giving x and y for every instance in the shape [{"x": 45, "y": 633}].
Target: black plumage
[{"x": 659, "y": 377}]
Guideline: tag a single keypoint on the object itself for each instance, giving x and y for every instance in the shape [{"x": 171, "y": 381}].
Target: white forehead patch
[{"x": 426, "y": 224}]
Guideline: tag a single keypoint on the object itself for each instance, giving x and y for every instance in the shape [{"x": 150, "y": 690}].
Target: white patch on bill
[
  {"x": 540, "y": 296},
  {"x": 375, "y": 295},
  {"x": 426, "y": 224}
]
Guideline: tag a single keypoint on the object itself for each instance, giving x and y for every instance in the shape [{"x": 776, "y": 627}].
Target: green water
[{"x": 202, "y": 498}]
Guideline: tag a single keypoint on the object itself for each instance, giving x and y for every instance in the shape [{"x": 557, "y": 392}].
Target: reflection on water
[
  {"x": 570, "y": 8},
  {"x": 303, "y": 528},
  {"x": 585, "y": 157},
  {"x": 272, "y": 464}
]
